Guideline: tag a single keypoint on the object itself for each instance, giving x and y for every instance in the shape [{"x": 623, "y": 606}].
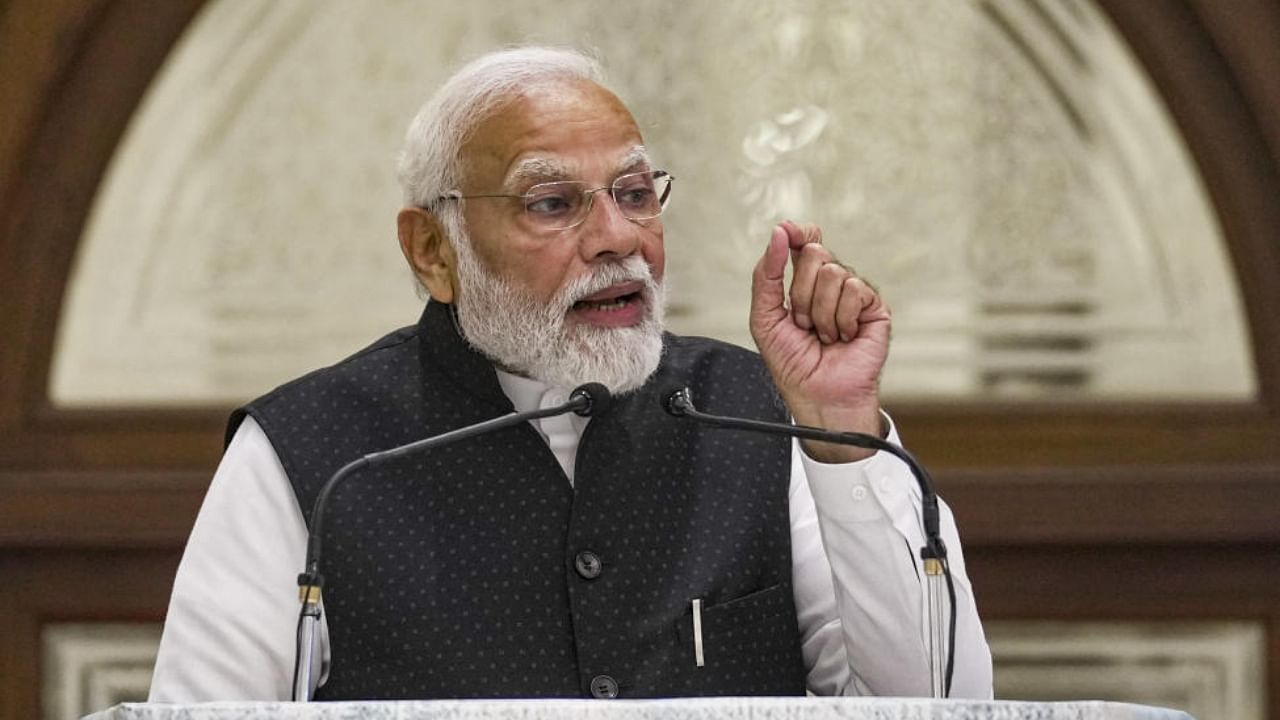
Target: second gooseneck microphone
[{"x": 679, "y": 402}]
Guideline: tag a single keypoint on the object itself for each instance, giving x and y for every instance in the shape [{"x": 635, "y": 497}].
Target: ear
[{"x": 422, "y": 240}]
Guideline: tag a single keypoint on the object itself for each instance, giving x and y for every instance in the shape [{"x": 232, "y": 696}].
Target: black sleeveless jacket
[{"x": 477, "y": 570}]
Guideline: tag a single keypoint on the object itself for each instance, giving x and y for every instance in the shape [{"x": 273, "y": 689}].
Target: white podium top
[{"x": 733, "y": 708}]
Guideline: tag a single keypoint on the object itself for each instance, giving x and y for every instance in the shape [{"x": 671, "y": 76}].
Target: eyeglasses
[{"x": 566, "y": 204}]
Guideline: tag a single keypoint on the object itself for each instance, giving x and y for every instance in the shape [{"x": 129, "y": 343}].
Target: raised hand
[{"x": 825, "y": 341}]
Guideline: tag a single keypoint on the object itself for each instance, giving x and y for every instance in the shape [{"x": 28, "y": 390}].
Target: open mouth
[
  {"x": 617, "y": 303},
  {"x": 613, "y": 298},
  {"x": 607, "y": 305}
]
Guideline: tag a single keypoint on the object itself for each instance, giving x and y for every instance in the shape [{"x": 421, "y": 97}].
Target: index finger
[{"x": 800, "y": 235}]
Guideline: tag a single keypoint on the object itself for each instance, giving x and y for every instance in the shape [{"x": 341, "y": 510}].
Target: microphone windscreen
[
  {"x": 598, "y": 398},
  {"x": 676, "y": 399}
]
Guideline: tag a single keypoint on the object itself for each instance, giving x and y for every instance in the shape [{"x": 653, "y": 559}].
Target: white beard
[{"x": 536, "y": 340}]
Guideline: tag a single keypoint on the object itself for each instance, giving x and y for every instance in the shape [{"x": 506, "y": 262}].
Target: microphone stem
[
  {"x": 308, "y": 630},
  {"x": 934, "y": 547},
  {"x": 480, "y": 428}
]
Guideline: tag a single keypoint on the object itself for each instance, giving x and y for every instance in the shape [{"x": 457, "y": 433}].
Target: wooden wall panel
[
  {"x": 1210, "y": 62},
  {"x": 44, "y": 586},
  {"x": 78, "y": 541}
]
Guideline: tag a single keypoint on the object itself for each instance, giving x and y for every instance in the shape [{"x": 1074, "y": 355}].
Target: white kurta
[{"x": 859, "y": 588}]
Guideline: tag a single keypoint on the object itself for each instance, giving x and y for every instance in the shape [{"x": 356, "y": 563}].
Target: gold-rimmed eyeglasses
[{"x": 566, "y": 203}]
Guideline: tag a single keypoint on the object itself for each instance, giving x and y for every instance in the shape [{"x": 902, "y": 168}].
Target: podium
[{"x": 732, "y": 708}]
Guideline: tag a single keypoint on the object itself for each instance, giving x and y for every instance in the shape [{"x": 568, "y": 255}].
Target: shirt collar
[{"x": 525, "y": 394}]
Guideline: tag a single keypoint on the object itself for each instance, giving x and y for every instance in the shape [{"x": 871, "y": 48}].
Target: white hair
[{"x": 430, "y": 163}]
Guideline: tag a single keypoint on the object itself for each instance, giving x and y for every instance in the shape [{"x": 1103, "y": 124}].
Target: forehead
[{"x": 566, "y": 127}]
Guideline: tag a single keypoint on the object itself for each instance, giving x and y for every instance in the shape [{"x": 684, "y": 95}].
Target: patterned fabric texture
[{"x": 477, "y": 570}]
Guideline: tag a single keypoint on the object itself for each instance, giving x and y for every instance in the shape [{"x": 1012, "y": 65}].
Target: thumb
[{"x": 767, "y": 293}]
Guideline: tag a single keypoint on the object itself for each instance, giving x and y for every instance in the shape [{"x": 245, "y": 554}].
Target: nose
[{"x": 606, "y": 231}]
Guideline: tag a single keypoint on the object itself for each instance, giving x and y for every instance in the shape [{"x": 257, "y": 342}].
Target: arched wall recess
[{"x": 1002, "y": 169}]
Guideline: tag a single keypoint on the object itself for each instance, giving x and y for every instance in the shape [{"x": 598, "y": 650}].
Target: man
[{"x": 632, "y": 555}]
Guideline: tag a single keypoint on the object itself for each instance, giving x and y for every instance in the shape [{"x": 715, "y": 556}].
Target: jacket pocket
[
  {"x": 737, "y": 622},
  {"x": 750, "y": 646}
]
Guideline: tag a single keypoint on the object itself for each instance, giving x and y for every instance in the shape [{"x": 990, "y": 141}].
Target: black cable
[{"x": 951, "y": 632}]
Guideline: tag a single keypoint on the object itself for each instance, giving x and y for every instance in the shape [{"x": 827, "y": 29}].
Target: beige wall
[{"x": 1010, "y": 179}]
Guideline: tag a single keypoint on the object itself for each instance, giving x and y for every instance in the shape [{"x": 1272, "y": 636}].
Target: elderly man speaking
[{"x": 569, "y": 557}]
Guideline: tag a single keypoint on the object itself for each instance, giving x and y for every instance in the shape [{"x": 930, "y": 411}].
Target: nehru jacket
[{"x": 479, "y": 570}]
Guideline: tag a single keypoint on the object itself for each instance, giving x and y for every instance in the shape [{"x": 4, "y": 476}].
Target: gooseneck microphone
[
  {"x": 679, "y": 402},
  {"x": 586, "y": 400}
]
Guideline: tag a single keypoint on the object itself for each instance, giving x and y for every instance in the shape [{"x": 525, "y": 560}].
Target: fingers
[
  {"x": 826, "y": 297},
  {"x": 840, "y": 302},
  {"x": 767, "y": 292},
  {"x": 828, "y": 290},
  {"x": 798, "y": 236},
  {"x": 859, "y": 303},
  {"x": 809, "y": 260}
]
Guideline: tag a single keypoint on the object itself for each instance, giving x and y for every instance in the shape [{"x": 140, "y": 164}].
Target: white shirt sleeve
[
  {"x": 230, "y": 632},
  {"x": 859, "y": 584}
]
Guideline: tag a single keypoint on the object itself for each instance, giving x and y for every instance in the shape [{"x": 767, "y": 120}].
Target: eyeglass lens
[{"x": 559, "y": 205}]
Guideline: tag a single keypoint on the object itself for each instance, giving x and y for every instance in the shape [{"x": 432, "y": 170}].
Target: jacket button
[
  {"x": 588, "y": 566},
  {"x": 604, "y": 687}
]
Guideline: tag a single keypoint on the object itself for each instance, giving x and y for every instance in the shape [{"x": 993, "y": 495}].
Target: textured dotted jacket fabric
[{"x": 478, "y": 570}]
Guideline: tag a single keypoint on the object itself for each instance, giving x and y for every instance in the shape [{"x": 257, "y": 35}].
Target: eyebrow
[
  {"x": 638, "y": 156},
  {"x": 539, "y": 170}
]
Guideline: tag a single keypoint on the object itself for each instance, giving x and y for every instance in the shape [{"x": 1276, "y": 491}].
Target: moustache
[{"x": 630, "y": 269}]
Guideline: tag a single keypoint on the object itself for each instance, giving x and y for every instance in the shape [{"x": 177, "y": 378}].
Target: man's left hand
[{"x": 827, "y": 348}]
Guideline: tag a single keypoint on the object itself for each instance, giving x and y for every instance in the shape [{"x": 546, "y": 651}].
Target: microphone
[
  {"x": 588, "y": 400},
  {"x": 678, "y": 402}
]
